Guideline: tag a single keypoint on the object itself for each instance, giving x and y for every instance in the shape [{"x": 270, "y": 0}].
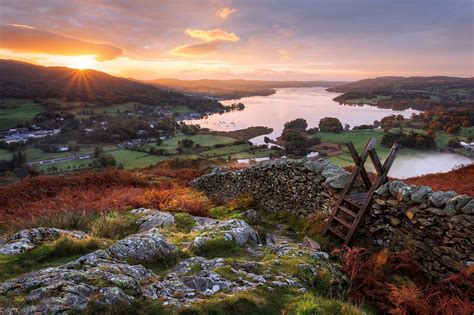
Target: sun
[{"x": 81, "y": 62}]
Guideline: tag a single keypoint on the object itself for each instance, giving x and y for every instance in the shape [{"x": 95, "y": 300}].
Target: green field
[
  {"x": 171, "y": 145},
  {"x": 116, "y": 108},
  {"x": 5, "y": 154},
  {"x": 15, "y": 111}
]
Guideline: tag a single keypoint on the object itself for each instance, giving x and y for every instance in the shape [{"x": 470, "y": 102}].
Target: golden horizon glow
[{"x": 81, "y": 62}]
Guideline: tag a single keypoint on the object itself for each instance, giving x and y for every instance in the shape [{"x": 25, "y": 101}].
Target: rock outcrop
[
  {"x": 25, "y": 240},
  {"x": 118, "y": 273}
]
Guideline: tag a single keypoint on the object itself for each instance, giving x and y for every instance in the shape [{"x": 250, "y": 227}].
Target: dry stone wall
[{"x": 437, "y": 226}]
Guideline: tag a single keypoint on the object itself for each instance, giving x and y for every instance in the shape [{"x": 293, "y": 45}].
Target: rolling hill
[
  {"x": 401, "y": 92},
  {"x": 24, "y": 80},
  {"x": 232, "y": 89}
]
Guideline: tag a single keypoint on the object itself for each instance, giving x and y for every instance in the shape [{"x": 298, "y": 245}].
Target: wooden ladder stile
[{"x": 345, "y": 220}]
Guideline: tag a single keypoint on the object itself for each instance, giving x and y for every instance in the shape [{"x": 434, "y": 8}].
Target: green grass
[
  {"x": 112, "y": 109},
  {"x": 184, "y": 221},
  {"x": 369, "y": 100},
  {"x": 16, "y": 111},
  {"x": 132, "y": 159},
  {"x": 219, "y": 247},
  {"x": 5, "y": 154},
  {"x": 114, "y": 225},
  {"x": 49, "y": 254},
  {"x": 38, "y": 154},
  {"x": 309, "y": 304},
  {"x": 171, "y": 145}
]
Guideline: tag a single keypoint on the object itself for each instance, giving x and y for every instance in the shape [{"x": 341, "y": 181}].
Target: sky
[{"x": 245, "y": 39}]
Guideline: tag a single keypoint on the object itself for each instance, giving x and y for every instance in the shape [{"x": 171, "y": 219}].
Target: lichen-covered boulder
[
  {"x": 440, "y": 198},
  {"x": 27, "y": 239},
  {"x": 95, "y": 278},
  {"x": 420, "y": 194},
  {"x": 153, "y": 219},
  {"x": 234, "y": 230},
  {"x": 142, "y": 247}
]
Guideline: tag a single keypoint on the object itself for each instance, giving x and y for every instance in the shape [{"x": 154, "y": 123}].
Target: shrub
[
  {"x": 114, "y": 225},
  {"x": 330, "y": 124},
  {"x": 176, "y": 199},
  {"x": 309, "y": 304},
  {"x": 184, "y": 221},
  {"x": 47, "y": 254},
  {"x": 299, "y": 124},
  {"x": 218, "y": 247}
]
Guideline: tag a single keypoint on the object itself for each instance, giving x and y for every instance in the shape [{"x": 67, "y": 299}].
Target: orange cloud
[
  {"x": 225, "y": 12},
  {"x": 215, "y": 34},
  {"x": 22, "y": 38},
  {"x": 212, "y": 39},
  {"x": 196, "y": 49}
]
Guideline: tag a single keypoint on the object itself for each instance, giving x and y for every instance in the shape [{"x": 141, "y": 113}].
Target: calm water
[{"x": 313, "y": 104}]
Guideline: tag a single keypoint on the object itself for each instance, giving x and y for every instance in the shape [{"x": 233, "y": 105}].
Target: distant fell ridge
[
  {"x": 24, "y": 80},
  {"x": 422, "y": 93},
  {"x": 409, "y": 83},
  {"x": 229, "y": 89}
]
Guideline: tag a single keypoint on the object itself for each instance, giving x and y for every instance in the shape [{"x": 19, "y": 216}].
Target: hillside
[
  {"x": 402, "y": 92},
  {"x": 459, "y": 180},
  {"x": 231, "y": 89},
  {"x": 227, "y": 242},
  {"x": 24, "y": 80}
]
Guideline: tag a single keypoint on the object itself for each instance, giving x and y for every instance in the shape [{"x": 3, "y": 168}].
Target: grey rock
[
  {"x": 468, "y": 208},
  {"x": 395, "y": 186},
  {"x": 27, "y": 239},
  {"x": 155, "y": 219},
  {"x": 251, "y": 215},
  {"x": 439, "y": 198},
  {"x": 404, "y": 193},
  {"x": 206, "y": 282},
  {"x": 338, "y": 181},
  {"x": 142, "y": 247},
  {"x": 185, "y": 266},
  {"x": 320, "y": 255},
  {"x": 234, "y": 230},
  {"x": 316, "y": 166},
  {"x": 420, "y": 194},
  {"x": 383, "y": 190}
]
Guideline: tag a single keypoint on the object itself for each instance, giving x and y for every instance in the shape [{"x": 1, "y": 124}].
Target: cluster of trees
[
  {"x": 295, "y": 138},
  {"x": 17, "y": 165},
  {"x": 410, "y": 139},
  {"x": 330, "y": 124}
]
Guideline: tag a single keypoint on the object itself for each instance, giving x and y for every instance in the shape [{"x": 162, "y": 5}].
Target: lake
[
  {"x": 274, "y": 110},
  {"x": 313, "y": 104}
]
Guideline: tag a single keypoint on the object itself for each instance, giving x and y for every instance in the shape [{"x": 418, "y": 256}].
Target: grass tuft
[
  {"x": 49, "y": 254},
  {"x": 184, "y": 221},
  {"x": 114, "y": 225}
]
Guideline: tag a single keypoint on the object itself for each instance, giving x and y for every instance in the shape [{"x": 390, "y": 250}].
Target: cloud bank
[{"x": 22, "y": 38}]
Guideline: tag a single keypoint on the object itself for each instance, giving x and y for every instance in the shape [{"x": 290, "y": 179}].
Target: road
[{"x": 61, "y": 159}]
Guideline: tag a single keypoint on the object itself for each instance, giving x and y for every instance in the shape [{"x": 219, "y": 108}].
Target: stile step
[{"x": 346, "y": 224}]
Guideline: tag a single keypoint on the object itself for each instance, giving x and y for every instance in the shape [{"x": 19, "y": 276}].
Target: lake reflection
[
  {"x": 311, "y": 104},
  {"x": 426, "y": 163}
]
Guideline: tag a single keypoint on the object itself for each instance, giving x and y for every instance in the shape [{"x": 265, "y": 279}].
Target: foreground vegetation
[{"x": 97, "y": 203}]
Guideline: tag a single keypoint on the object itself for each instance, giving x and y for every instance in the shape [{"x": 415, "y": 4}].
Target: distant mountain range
[
  {"x": 24, "y": 80},
  {"x": 421, "y": 93},
  {"x": 233, "y": 89}
]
